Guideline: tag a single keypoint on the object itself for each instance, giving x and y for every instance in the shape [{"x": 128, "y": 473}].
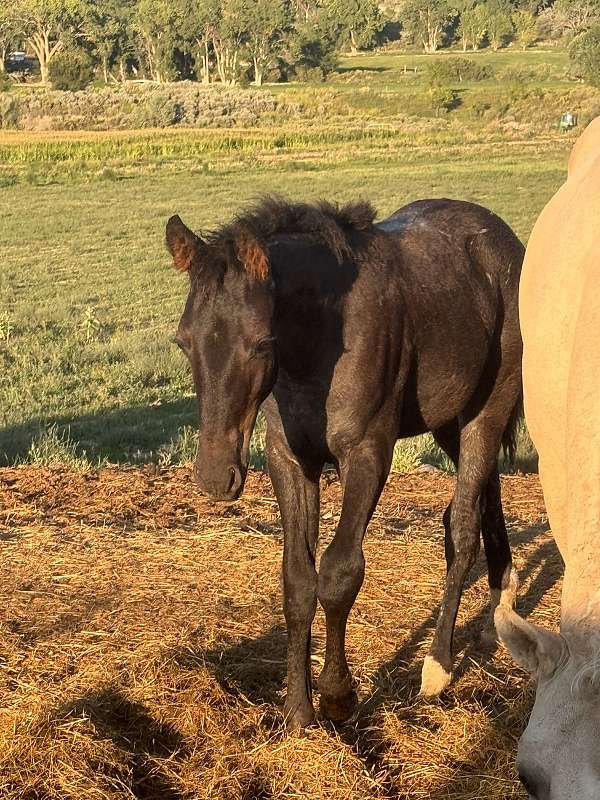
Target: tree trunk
[
  {"x": 44, "y": 51},
  {"x": 105, "y": 68},
  {"x": 206, "y": 65},
  {"x": 3, "y": 59},
  {"x": 258, "y": 72}
]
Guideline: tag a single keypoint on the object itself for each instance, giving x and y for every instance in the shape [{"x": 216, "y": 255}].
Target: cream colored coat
[
  {"x": 559, "y": 753},
  {"x": 560, "y": 321}
]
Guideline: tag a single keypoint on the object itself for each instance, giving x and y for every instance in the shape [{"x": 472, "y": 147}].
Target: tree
[
  {"x": 427, "y": 20},
  {"x": 472, "y": 24},
  {"x": 498, "y": 23},
  {"x": 525, "y": 27},
  {"x": 198, "y": 24},
  {"x": 157, "y": 24},
  {"x": 46, "y": 25},
  {"x": 228, "y": 38},
  {"x": 359, "y": 21},
  {"x": 571, "y": 17},
  {"x": 9, "y": 32},
  {"x": 584, "y": 51},
  {"x": 304, "y": 9},
  {"x": 106, "y": 25},
  {"x": 311, "y": 48},
  {"x": 71, "y": 70},
  {"x": 267, "y": 23}
]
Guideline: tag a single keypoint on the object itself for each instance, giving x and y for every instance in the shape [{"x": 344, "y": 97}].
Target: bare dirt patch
[{"x": 142, "y": 646}]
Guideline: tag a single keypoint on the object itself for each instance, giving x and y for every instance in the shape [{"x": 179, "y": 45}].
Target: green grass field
[{"x": 88, "y": 301}]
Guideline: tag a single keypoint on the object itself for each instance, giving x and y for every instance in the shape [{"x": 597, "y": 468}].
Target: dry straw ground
[{"x": 142, "y": 646}]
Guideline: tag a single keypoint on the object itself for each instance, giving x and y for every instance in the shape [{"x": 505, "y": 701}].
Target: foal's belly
[{"x": 428, "y": 410}]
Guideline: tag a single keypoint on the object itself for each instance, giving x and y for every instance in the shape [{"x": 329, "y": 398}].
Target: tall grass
[{"x": 28, "y": 148}]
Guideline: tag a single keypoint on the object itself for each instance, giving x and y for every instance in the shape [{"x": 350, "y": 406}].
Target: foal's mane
[{"x": 245, "y": 238}]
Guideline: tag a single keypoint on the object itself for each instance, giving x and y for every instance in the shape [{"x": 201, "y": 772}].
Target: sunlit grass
[{"x": 88, "y": 301}]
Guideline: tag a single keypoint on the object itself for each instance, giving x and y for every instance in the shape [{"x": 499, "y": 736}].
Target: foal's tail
[{"x": 511, "y": 432}]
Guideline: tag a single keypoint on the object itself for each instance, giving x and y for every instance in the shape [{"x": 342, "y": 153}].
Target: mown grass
[{"x": 89, "y": 301}]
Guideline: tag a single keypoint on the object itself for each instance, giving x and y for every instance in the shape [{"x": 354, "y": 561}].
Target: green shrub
[
  {"x": 442, "y": 99},
  {"x": 453, "y": 68},
  {"x": 584, "y": 52},
  {"x": 71, "y": 70},
  {"x": 312, "y": 54},
  {"x": 531, "y": 74},
  {"x": 136, "y": 106},
  {"x": 7, "y": 179}
]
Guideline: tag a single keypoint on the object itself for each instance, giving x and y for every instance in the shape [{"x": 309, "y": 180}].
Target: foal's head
[{"x": 225, "y": 332}]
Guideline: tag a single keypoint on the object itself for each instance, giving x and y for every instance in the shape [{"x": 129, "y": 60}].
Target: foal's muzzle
[{"x": 220, "y": 483}]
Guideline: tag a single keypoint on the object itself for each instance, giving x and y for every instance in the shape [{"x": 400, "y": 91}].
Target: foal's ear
[
  {"x": 533, "y": 648},
  {"x": 182, "y": 244},
  {"x": 253, "y": 256}
]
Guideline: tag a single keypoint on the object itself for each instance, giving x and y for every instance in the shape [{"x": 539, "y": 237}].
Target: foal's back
[{"x": 457, "y": 267}]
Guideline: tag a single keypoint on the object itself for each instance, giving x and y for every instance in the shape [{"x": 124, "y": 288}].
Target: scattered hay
[{"x": 142, "y": 646}]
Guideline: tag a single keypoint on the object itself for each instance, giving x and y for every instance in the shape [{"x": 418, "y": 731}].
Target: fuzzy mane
[{"x": 245, "y": 238}]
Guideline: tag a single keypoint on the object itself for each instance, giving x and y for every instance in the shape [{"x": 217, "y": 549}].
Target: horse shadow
[
  {"x": 255, "y": 667},
  {"x": 251, "y": 668},
  {"x": 133, "y": 729},
  {"x": 397, "y": 680}
]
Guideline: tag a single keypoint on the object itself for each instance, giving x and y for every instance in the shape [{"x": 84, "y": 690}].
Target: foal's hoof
[
  {"x": 434, "y": 678},
  {"x": 338, "y": 709},
  {"x": 298, "y": 716}
]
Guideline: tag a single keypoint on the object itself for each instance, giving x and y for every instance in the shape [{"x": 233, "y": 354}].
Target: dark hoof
[
  {"x": 338, "y": 709},
  {"x": 297, "y": 717}
]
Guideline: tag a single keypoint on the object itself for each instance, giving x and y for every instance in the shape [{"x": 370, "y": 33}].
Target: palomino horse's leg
[
  {"x": 342, "y": 568},
  {"x": 503, "y": 580},
  {"x": 479, "y": 444},
  {"x": 297, "y": 490}
]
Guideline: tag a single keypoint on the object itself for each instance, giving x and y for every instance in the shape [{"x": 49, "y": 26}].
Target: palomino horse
[
  {"x": 559, "y": 753},
  {"x": 355, "y": 334}
]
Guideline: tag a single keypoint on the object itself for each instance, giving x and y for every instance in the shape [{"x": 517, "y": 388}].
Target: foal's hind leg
[
  {"x": 479, "y": 445},
  {"x": 342, "y": 568},
  {"x": 297, "y": 489},
  {"x": 503, "y": 579}
]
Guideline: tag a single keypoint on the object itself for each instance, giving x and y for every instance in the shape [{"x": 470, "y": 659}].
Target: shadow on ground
[
  {"x": 130, "y": 434},
  {"x": 133, "y": 729},
  {"x": 255, "y": 668}
]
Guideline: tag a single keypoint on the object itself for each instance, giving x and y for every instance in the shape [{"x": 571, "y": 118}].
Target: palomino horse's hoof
[
  {"x": 434, "y": 678},
  {"x": 297, "y": 717},
  {"x": 338, "y": 709}
]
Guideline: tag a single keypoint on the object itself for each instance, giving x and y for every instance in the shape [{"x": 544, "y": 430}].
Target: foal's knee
[{"x": 340, "y": 578}]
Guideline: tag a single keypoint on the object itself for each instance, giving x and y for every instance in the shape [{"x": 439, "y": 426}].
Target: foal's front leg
[
  {"x": 342, "y": 568},
  {"x": 297, "y": 489}
]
